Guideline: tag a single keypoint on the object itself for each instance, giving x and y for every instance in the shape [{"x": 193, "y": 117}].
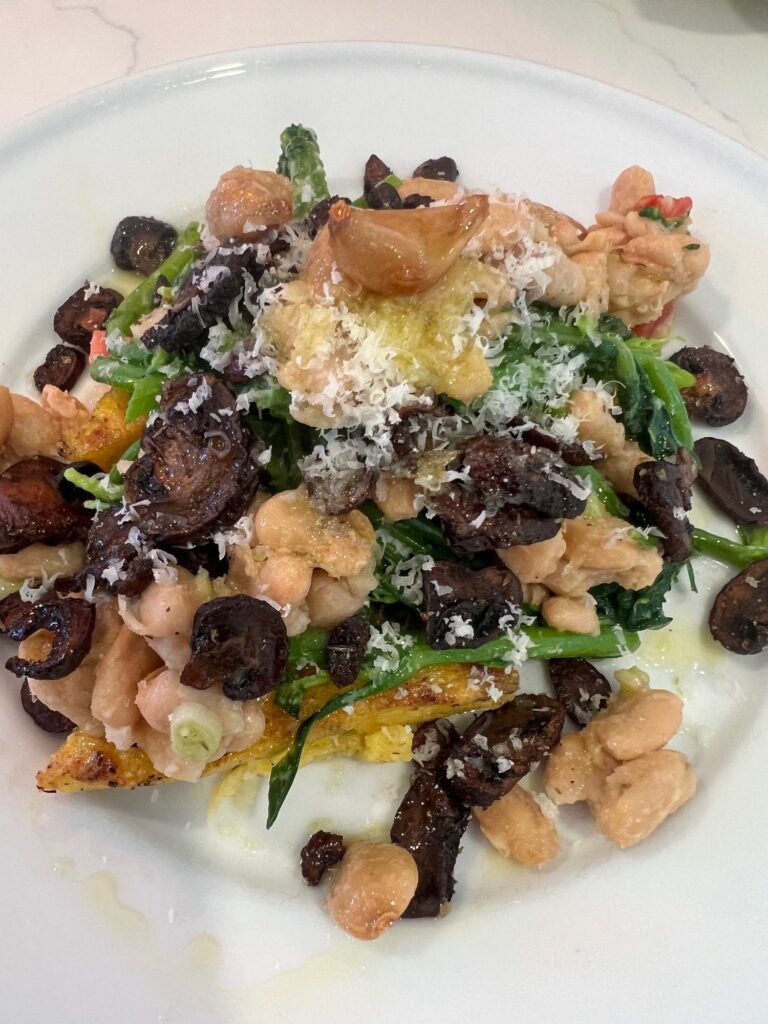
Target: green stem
[
  {"x": 141, "y": 299},
  {"x": 729, "y": 551},
  {"x": 613, "y": 505},
  {"x": 544, "y": 643},
  {"x": 668, "y": 393}
]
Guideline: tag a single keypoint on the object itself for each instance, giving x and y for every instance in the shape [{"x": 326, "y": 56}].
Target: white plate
[{"x": 133, "y": 907}]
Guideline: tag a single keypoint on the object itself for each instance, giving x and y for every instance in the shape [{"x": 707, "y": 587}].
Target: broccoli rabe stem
[
  {"x": 544, "y": 643},
  {"x": 668, "y": 393},
  {"x": 731, "y": 551},
  {"x": 300, "y": 161},
  {"x": 140, "y": 300}
]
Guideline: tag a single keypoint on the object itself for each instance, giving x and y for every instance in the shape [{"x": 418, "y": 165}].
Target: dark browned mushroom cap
[
  {"x": 571, "y": 452},
  {"x": 78, "y": 317},
  {"x": 580, "y": 688},
  {"x": 214, "y": 283},
  {"x": 337, "y": 490},
  {"x": 502, "y": 746},
  {"x": 322, "y": 851},
  {"x": 13, "y": 611},
  {"x": 739, "y": 616},
  {"x": 142, "y": 244},
  {"x": 33, "y": 508},
  {"x": 240, "y": 642},
  {"x": 345, "y": 651},
  {"x": 443, "y": 168},
  {"x": 666, "y": 497},
  {"x": 465, "y": 608},
  {"x": 41, "y": 714},
  {"x": 719, "y": 395},
  {"x": 515, "y": 494},
  {"x": 375, "y": 172},
  {"x": 733, "y": 481},
  {"x": 415, "y": 431},
  {"x": 71, "y": 621},
  {"x": 62, "y": 368},
  {"x": 385, "y": 197},
  {"x": 430, "y": 822},
  {"x": 197, "y": 471},
  {"x": 108, "y": 547}
]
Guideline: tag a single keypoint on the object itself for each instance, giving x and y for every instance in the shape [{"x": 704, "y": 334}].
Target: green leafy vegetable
[
  {"x": 300, "y": 161},
  {"x": 637, "y": 609}
]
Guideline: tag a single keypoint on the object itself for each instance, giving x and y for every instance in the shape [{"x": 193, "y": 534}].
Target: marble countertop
[{"x": 707, "y": 58}]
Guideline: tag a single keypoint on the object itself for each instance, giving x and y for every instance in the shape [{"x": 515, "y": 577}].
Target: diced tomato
[
  {"x": 98, "y": 345},
  {"x": 669, "y": 208},
  {"x": 657, "y": 328}
]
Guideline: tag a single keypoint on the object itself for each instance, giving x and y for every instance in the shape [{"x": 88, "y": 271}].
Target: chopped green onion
[{"x": 195, "y": 732}]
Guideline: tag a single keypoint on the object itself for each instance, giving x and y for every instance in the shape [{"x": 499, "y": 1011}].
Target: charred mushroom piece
[
  {"x": 317, "y": 217},
  {"x": 115, "y": 554},
  {"x": 338, "y": 491},
  {"x": 415, "y": 200},
  {"x": 33, "y": 508},
  {"x": 347, "y": 644},
  {"x": 202, "y": 558},
  {"x": 197, "y": 472},
  {"x": 71, "y": 622},
  {"x": 430, "y": 822},
  {"x": 415, "y": 431},
  {"x": 580, "y": 688},
  {"x": 41, "y": 714},
  {"x": 666, "y": 497},
  {"x": 375, "y": 172},
  {"x": 323, "y": 850},
  {"x": 14, "y": 610},
  {"x": 441, "y": 169},
  {"x": 739, "y": 616},
  {"x": 62, "y": 368},
  {"x": 516, "y": 494},
  {"x": 733, "y": 481},
  {"x": 465, "y": 608},
  {"x": 719, "y": 395},
  {"x": 571, "y": 452},
  {"x": 142, "y": 244},
  {"x": 84, "y": 312},
  {"x": 240, "y": 642},
  {"x": 384, "y": 197},
  {"x": 500, "y": 747},
  {"x": 213, "y": 285}
]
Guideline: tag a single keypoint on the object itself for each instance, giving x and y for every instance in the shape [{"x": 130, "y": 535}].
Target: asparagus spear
[{"x": 300, "y": 161}]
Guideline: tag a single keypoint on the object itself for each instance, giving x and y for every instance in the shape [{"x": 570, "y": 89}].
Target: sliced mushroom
[
  {"x": 430, "y": 822},
  {"x": 84, "y": 312},
  {"x": 500, "y": 747},
  {"x": 317, "y": 217},
  {"x": 733, "y": 481},
  {"x": 347, "y": 644},
  {"x": 666, "y": 497},
  {"x": 108, "y": 547},
  {"x": 41, "y": 714},
  {"x": 515, "y": 494},
  {"x": 442, "y": 168},
  {"x": 240, "y": 642},
  {"x": 323, "y": 850},
  {"x": 62, "y": 368},
  {"x": 719, "y": 395},
  {"x": 465, "y": 608},
  {"x": 142, "y": 244},
  {"x": 571, "y": 452},
  {"x": 580, "y": 688},
  {"x": 33, "y": 508},
  {"x": 213, "y": 285},
  {"x": 13, "y": 611},
  {"x": 739, "y": 616},
  {"x": 385, "y": 197},
  {"x": 339, "y": 491},
  {"x": 375, "y": 172},
  {"x": 197, "y": 471},
  {"x": 71, "y": 622}
]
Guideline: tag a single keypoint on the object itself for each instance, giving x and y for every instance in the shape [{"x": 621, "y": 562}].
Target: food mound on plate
[{"x": 344, "y": 466}]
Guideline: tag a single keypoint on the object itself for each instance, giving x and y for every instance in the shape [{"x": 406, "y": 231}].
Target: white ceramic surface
[{"x": 155, "y": 906}]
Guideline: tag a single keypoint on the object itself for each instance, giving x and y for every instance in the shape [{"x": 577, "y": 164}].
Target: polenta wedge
[{"x": 374, "y": 732}]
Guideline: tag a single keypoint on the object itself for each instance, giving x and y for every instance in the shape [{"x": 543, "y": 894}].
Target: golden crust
[{"x": 87, "y": 762}]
